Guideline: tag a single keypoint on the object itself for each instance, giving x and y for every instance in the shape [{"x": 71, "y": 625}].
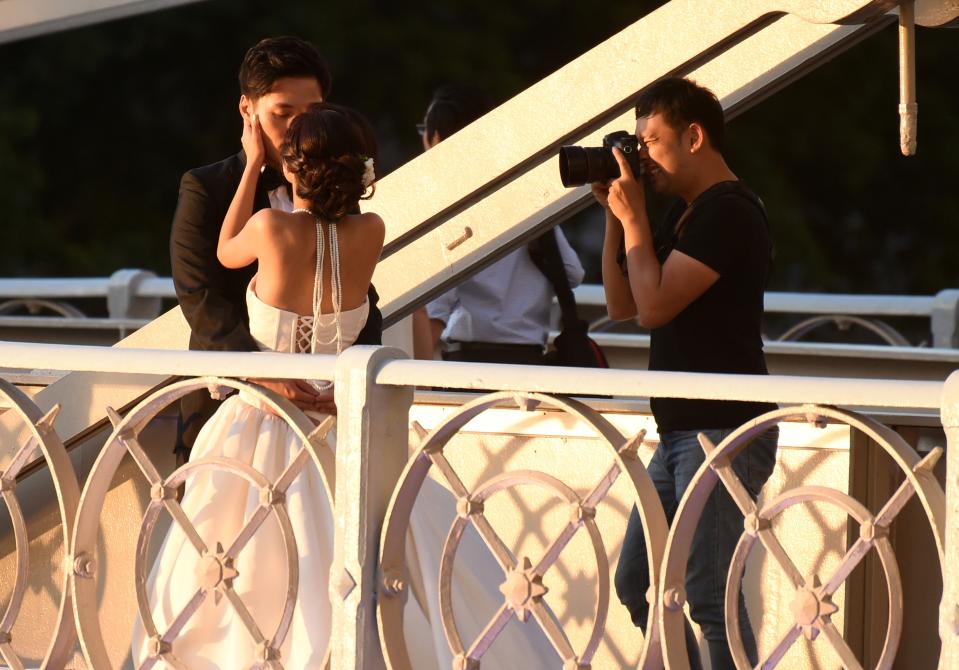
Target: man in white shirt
[{"x": 502, "y": 313}]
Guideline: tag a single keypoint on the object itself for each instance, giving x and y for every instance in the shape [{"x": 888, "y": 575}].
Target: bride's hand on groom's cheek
[{"x": 252, "y": 141}]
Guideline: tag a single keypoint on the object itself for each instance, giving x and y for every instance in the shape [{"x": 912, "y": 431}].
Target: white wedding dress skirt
[{"x": 220, "y": 504}]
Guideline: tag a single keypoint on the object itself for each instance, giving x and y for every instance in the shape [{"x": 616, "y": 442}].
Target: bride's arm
[{"x": 237, "y": 244}]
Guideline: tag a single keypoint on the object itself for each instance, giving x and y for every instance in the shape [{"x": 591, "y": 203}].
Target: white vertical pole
[
  {"x": 371, "y": 451},
  {"x": 949, "y": 608}
]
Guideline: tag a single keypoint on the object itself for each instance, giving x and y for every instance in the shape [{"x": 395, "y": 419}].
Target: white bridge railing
[
  {"x": 135, "y": 297},
  {"x": 372, "y": 505},
  {"x": 867, "y": 311}
]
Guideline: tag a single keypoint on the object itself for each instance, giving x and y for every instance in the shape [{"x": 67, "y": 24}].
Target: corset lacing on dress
[{"x": 304, "y": 334}]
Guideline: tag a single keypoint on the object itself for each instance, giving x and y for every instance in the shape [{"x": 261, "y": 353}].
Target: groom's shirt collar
[{"x": 280, "y": 196}]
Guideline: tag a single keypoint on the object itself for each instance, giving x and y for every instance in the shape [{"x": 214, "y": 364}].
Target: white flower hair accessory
[{"x": 368, "y": 174}]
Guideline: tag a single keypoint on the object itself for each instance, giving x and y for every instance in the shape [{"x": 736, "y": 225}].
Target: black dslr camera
[{"x": 587, "y": 165}]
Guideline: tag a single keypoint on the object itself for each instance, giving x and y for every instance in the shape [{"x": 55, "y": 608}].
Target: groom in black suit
[{"x": 280, "y": 77}]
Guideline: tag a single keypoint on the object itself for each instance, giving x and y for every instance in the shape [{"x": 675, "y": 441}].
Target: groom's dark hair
[{"x": 274, "y": 58}]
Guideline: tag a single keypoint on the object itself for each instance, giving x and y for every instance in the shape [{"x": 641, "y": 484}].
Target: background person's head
[
  {"x": 324, "y": 157},
  {"x": 281, "y": 77},
  {"x": 452, "y": 108},
  {"x": 683, "y": 130}
]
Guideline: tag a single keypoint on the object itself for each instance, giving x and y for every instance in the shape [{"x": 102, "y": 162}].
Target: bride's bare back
[{"x": 286, "y": 254}]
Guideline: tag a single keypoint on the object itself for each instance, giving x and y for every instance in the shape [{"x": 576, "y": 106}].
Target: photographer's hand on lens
[
  {"x": 601, "y": 193},
  {"x": 626, "y": 195}
]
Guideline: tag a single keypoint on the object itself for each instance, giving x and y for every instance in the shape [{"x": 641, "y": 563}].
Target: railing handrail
[
  {"x": 587, "y": 294},
  {"x": 773, "y": 388},
  {"x": 827, "y": 349},
  {"x": 167, "y": 362},
  {"x": 80, "y": 287},
  {"x": 72, "y": 322},
  {"x": 814, "y": 303}
]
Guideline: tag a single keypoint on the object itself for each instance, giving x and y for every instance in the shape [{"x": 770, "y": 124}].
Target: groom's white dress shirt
[{"x": 280, "y": 199}]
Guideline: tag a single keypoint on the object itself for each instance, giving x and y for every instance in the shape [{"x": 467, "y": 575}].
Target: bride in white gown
[{"x": 304, "y": 299}]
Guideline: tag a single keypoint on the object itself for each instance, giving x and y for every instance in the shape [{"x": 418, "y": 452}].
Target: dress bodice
[{"x": 276, "y": 329}]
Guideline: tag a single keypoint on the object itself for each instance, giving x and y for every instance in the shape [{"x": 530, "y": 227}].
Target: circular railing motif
[
  {"x": 40, "y": 435},
  {"x": 811, "y": 605},
  {"x": 524, "y": 594},
  {"x": 217, "y": 563},
  {"x": 844, "y": 323},
  {"x": 34, "y": 306}
]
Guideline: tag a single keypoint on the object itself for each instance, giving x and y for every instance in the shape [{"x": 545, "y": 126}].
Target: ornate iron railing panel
[
  {"x": 524, "y": 594},
  {"x": 219, "y": 563},
  {"x": 522, "y": 574},
  {"x": 40, "y": 436},
  {"x": 812, "y": 605}
]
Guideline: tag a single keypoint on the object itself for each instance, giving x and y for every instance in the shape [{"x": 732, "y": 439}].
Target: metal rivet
[
  {"x": 161, "y": 492},
  {"x": 870, "y": 532},
  {"x": 393, "y": 583},
  {"x": 464, "y": 662},
  {"x": 465, "y": 507},
  {"x": 270, "y": 497},
  {"x": 753, "y": 523},
  {"x": 674, "y": 599},
  {"x": 265, "y": 651},
  {"x": 467, "y": 233},
  {"x": 580, "y": 513},
  {"x": 159, "y": 647},
  {"x": 84, "y": 565}
]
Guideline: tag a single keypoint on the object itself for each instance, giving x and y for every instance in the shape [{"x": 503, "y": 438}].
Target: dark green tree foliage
[{"x": 97, "y": 125}]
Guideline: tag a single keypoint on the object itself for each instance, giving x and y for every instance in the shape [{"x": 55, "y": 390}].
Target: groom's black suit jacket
[{"x": 212, "y": 297}]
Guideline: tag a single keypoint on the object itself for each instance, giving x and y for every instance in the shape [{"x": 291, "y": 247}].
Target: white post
[
  {"x": 371, "y": 451},
  {"x": 944, "y": 318},
  {"x": 949, "y": 608},
  {"x": 122, "y": 299}
]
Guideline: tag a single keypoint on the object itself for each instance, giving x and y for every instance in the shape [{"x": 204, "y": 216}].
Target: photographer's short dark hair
[
  {"x": 454, "y": 107},
  {"x": 681, "y": 102},
  {"x": 275, "y": 58}
]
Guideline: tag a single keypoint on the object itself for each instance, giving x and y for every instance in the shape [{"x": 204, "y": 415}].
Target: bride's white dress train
[{"x": 221, "y": 503}]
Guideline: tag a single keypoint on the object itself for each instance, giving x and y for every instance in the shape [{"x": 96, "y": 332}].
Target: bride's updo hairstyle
[{"x": 326, "y": 149}]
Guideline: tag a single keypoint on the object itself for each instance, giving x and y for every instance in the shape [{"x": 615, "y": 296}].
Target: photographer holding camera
[{"x": 700, "y": 292}]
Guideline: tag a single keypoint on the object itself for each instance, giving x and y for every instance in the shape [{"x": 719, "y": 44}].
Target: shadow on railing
[{"x": 373, "y": 507}]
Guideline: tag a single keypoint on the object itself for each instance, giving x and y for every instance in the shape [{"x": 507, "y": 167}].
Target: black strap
[
  {"x": 723, "y": 188},
  {"x": 544, "y": 252},
  {"x": 726, "y": 188}
]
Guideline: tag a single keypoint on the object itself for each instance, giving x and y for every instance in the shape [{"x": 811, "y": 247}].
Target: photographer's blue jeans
[{"x": 672, "y": 468}]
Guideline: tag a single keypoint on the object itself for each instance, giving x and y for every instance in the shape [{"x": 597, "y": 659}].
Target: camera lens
[
  {"x": 586, "y": 165},
  {"x": 573, "y": 166}
]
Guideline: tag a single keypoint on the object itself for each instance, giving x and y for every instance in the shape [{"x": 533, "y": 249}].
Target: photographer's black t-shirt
[{"x": 727, "y": 230}]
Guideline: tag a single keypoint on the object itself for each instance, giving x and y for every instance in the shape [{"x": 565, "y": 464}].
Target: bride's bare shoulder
[
  {"x": 370, "y": 223},
  {"x": 277, "y": 224}
]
